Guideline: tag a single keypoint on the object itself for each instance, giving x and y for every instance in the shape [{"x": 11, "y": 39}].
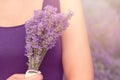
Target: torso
[
  {"x": 12, "y": 46},
  {"x": 16, "y": 12}
]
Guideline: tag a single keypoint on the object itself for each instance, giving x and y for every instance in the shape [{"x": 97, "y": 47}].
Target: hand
[{"x": 22, "y": 77}]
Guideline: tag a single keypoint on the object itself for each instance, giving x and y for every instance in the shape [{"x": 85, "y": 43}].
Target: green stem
[{"x": 42, "y": 57}]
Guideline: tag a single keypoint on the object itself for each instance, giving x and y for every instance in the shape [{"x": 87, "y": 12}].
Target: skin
[
  {"x": 76, "y": 56},
  {"x": 77, "y": 61},
  {"x": 22, "y": 77}
]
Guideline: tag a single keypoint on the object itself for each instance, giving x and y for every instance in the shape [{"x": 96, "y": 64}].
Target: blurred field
[{"x": 103, "y": 25}]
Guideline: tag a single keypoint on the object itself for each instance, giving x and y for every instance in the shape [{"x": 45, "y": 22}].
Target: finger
[
  {"x": 36, "y": 77},
  {"x": 17, "y": 77}
]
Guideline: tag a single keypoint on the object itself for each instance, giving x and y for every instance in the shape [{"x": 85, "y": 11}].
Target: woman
[{"x": 75, "y": 59}]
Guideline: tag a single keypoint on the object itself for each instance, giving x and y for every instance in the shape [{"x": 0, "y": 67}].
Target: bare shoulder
[
  {"x": 66, "y": 4},
  {"x": 76, "y": 32},
  {"x": 75, "y": 47},
  {"x": 74, "y": 5}
]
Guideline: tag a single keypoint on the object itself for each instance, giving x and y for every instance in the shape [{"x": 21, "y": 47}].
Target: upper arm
[{"x": 76, "y": 53}]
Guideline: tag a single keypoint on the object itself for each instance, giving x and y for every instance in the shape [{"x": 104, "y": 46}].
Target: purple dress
[{"x": 12, "y": 50}]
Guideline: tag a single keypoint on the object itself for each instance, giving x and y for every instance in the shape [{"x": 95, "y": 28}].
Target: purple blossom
[
  {"x": 42, "y": 31},
  {"x": 103, "y": 19}
]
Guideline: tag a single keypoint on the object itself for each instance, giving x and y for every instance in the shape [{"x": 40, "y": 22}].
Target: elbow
[
  {"x": 80, "y": 71},
  {"x": 77, "y": 75}
]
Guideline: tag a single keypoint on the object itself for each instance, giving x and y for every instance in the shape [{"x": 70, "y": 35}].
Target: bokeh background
[{"x": 103, "y": 26}]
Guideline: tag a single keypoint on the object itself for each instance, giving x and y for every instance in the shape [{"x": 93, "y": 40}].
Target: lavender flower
[
  {"x": 42, "y": 32},
  {"x": 103, "y": 19}
]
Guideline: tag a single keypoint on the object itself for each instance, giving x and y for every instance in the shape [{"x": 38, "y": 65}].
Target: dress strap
[{"x": 55, "y": 3}]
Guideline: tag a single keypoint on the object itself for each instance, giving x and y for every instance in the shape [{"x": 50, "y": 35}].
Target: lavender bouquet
[{"x": 42, "y": 32}]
